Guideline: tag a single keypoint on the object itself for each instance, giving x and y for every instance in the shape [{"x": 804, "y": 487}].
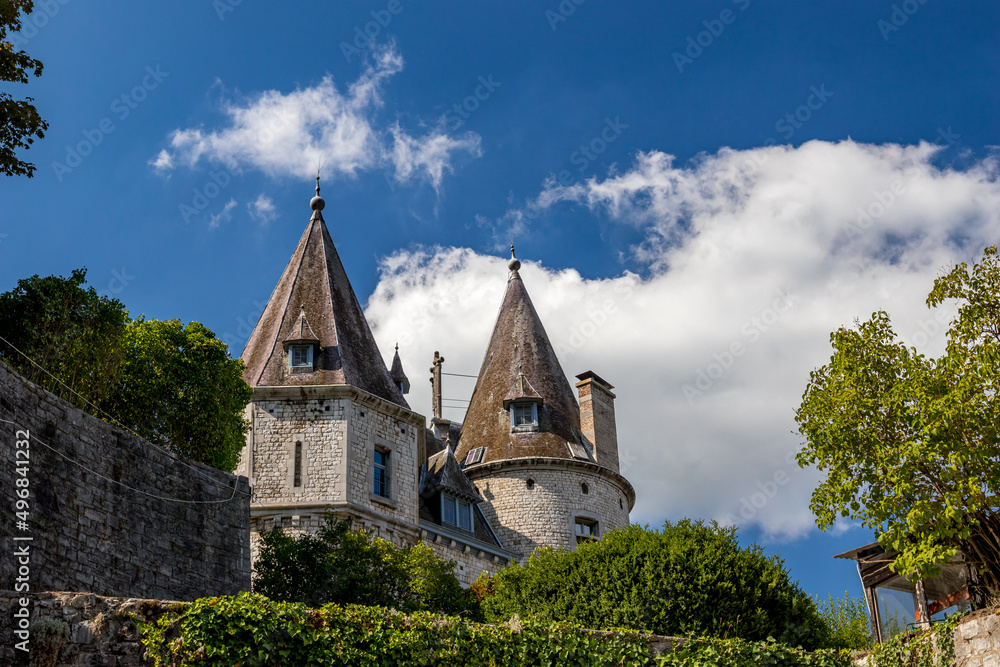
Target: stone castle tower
[
  {"x": 329, "y": 426},
  {"x": 331, "y": 430},
  {"x": 546, "y": 466}
]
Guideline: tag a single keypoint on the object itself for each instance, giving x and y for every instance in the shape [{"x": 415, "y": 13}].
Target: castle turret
[
  {"x": 330, "y": 428},
  {"x": 522, "y": 442}
]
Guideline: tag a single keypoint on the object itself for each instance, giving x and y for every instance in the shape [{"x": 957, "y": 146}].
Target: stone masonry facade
[
  {"x": 526, "y": 516},
  {"x": 337, "y": 430},
  {"x": 113, "y": 514}
]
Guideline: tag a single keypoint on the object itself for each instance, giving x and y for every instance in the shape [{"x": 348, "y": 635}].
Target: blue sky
[{"x": 679, "y": 178}]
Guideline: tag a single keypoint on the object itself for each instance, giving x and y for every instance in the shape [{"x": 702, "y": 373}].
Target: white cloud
[
  {"x": 769, "y": 248},
  {"x": 225, "y": 215},
  {"x": 290, "y": 133},
  {"x": 431, "y": 154},
  {"x": 163, "y": 162},
  {"x": 263, "y": 209}
]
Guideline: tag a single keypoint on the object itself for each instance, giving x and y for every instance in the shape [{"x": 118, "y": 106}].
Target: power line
[
  {"x": 459, "y": 375},
  {"x": 180, "y": 459},
  {"x": 35, "y": 438}
]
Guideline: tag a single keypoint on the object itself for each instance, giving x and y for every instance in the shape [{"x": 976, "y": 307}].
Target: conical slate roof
[
  {"x": 396, "y": 373},
  {"x": 314, "y": 300},
  {"x": 519, "y": 347}
]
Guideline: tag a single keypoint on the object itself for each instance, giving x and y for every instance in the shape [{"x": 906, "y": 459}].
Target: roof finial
[
  {"x": 317, "y": 203},
  {"x": 514, "y": 264}
]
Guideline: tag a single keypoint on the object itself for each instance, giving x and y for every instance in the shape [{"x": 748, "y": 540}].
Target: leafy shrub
[
  {"x": 253, "y": 631},
  {"x": 741, "y": 653},
  {"x": 48, "y": 636},
  {"x": 687, "y": 579},
  {"x": 847, "y": 618},
  {"x": 348, "y": 566}
]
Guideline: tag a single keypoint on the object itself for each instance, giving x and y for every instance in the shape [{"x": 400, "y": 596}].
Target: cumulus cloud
[
  {"x": 262, "y": 209},
  {"x": 753, "y": 258},
  {"x": 290, "y": 133}
]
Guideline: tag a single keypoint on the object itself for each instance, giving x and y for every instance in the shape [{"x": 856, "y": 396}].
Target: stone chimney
[{"x": 597, "y": 418}]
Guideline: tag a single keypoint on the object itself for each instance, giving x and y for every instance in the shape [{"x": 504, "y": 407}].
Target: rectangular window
[
  {"x": 586, "y": 529},
  {"x": 475, "y": 456},
  {"x": 297, "y": 478},
  {"x": 455, "y": 512},
  {"x": 301, "y": 355},
  {"x": 381, "y": 473},
  {"x": 465, "y": 516},
  {"x": 448, "y": 509},
  {"x": 524, "y": 415}
]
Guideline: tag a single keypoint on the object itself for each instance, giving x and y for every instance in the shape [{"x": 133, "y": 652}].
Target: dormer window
[
  {"x": 523, "y": 403},
  {"x": 456, "y": 512},
  {"x": 300, "y": 356},
  {"x": 524, "y": 416},
  {"x": 300, "y": 346}
]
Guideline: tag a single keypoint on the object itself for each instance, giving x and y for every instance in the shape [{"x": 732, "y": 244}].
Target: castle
[{"x": 534, "y": 464}]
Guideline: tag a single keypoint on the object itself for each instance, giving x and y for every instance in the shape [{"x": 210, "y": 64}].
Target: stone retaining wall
[
  {"x": 101, "y": 629},
  {"x": 109, "y": 512},
  {"x": 977, "y": 641}
]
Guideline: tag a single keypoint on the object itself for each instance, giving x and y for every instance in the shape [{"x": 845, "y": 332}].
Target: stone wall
[
  {"x": 525, "y": 518},
  {"x": 320, "y": 424},
  {"x": 102, "y": 630},
  {"x": 339, "y": 428},
  {"x": 111, "y": 513},
  {"x": 977, "y": 640}
]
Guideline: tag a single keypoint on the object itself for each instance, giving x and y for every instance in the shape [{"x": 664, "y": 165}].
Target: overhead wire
[{"x": 117, "y": 423}]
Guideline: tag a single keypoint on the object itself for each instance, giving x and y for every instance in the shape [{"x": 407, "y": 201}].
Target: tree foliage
[
  {"x": 180, "y": 389},
  {"x": 348, "y": 566},
  {"x": 174, "y": 385},
  {"x": 70, "y": 331},
  {"x": 909, "y": 444},
  {"x": 848, "y": 621},
  {"x": 20, "y": 122},
  {"x": 687, "y": 579}
]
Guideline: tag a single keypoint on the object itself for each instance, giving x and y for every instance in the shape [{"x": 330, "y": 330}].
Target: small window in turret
[
  {"x": 524, "y": 416},
  {"x": 300, "y": 356}
]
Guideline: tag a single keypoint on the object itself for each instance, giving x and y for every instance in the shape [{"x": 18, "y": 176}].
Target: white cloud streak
[
  {"x": 763, "y": 251},
  {"x": 225, "y": 215},
  {"x": 283, "y": 134}
]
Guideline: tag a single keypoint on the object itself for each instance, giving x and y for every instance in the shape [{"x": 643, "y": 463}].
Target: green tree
[
  {"x": 173, "y": 384},
  {"x": 70, "y": 331},
  {"x": 909, "y": 444},
  {"x": 345, "y": 566},
  {"x": 181, "y": 389},
  {"x": 20, "y": 122},
  {"x": 689, "y": 578},
  {"x": 848, "y": 620}
]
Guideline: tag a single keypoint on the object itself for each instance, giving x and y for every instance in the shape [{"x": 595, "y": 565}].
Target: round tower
[{"x": 548, "y": 477}]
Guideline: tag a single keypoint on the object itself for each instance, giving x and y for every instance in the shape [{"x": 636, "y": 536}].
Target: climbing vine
[
  {"x": 251, "y": 630},
  {"x": 934, "y": 647}
]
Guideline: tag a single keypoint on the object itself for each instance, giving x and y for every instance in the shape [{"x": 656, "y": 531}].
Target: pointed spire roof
[
  {"x": 397, "y": 374},
  {"x": 520, "y": 363},
  {"x": 314, "y": 301}
]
